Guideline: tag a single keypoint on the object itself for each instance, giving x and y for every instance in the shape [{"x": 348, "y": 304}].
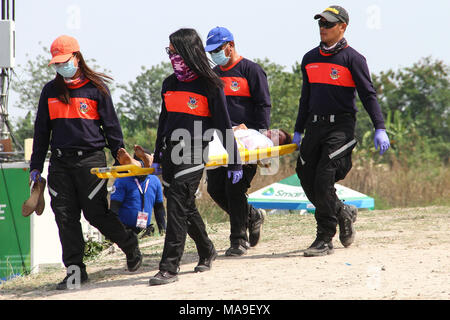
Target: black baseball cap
[{"x": 334, "y": 14}]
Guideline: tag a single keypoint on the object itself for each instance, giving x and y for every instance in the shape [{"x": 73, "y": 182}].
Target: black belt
[
  {"x": 331, "y": 118},
  {"x": 60, "y": 153},
  {"x": 172, "y": 143}
]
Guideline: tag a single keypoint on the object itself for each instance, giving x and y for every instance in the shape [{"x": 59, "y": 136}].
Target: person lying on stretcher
[
  {"x": 252, "y": 139},
  {"x": 249, "y": 139},
  {"x": 125, "y": 158}
]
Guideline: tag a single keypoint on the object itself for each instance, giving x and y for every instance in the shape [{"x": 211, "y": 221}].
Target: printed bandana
[
  {"x": 338, "y": 46},
  {"x": 182, "y": 71}
]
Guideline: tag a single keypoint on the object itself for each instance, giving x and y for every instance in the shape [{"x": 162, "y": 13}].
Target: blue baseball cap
[{"x": 217, "y": 37}]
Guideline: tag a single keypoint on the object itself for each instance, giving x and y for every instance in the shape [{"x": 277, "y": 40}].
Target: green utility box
[{"x": 15, "y": 251}]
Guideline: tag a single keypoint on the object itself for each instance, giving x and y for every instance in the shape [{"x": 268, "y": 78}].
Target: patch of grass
[
  {"x": 93, "y": 248},
  {"x": 380, "y": 203},
  {"x": 210, "y": 211},
  {"x": 399, "y": 185},
  {"x": 42, "y": 281}
]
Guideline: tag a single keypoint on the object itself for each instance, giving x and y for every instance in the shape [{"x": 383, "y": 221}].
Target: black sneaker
[
  {"x": 204, "y": 264},
  {"x": 69, "y": 282},
  {"x": 134, "y": 259},
  {"x": 352, "y": 210},
  {"x": 346, "y": 217},
  {"x": 254, "y": 227},
  {"x": 163, "y": 277},
  {"x": 319, "y": 248},
  {"x": 235, "y": 250}
]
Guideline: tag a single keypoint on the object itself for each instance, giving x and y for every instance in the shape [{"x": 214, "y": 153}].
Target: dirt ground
[{"x": 397, "y": 254}]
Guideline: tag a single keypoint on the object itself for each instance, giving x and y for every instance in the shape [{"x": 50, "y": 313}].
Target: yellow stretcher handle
[
  {"x": 121, "y": 171},
  {"x": 214, "y": 161}
]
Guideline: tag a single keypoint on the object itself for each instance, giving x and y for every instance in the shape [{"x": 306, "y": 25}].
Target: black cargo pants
[
  {"x": 180, "y": 181},
  {"x": 74, "y": 189},
  {"x": 325, "y": 158},
  {"x": 232, "y": 198}
]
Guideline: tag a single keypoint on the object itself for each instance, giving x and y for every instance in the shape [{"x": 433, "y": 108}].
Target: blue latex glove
[
  {"x": 381, "y": 139},
  {"x": 235, "y": 175},
  {"x": 157, "y": 167},
  {"x": 35, "y": 175},
  {"x": 297, "y": 139}
]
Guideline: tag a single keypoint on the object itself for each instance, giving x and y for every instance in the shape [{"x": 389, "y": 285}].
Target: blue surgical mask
[
  {"x": 220, "y": 58},
  {"x": 67, "y": 69}
]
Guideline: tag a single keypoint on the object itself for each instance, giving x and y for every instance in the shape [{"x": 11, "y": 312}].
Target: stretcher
[{"x": 247, "y": 156}]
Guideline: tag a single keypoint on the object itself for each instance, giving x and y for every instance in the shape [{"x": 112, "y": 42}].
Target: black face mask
[{"x": 336, "y": 48}]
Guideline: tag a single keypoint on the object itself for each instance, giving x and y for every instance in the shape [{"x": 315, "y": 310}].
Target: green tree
[
  {"x": 285, "y": 88},
  {"x": 25, "y": 127},
  {"x": 420, "y": 96},
  {"x": 140, "y": 104},
  {"x": 29, "y": 80}
]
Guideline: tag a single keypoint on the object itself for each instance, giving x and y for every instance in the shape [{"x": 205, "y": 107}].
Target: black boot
[
  {"x": 255, "y": 225},
  {"x": 71, "y": 281},
  {"x": 131, "y": 249},
  {"x": 346, "y": 217},
  {"x": 163, "y": 277},
  {"x": 134, "y": 259},
  {"x": 319, "y": 248},
  {"x": 204, "y": 264},
  {"x": 235, "y": 250}
]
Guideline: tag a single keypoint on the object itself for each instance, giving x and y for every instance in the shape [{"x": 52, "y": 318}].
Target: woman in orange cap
[{"x": 76, "y": 118}]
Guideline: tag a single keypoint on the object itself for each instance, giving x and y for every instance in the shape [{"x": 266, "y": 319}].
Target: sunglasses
[
  {"x": 219, "y": 48},
  {"x": 327, "y": 24},
  {"x": 169, "y": 52}
]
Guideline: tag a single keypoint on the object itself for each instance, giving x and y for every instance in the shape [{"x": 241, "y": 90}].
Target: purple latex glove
[
  {"x": 297, "y": 139},
  {"x": 381, "y": 139},
  {"x": 235, "y": 175},
  {"x": 157, "y": 167},
  {"x": 35, "y": 175}
]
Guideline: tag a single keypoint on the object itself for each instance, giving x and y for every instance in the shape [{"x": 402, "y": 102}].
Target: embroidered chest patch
[
  {"x": 192, "y": 103},
  {"x": 334, "y": 74},
  {"x": 84, "y": 108},
  {"x": 234, "y": 86}
]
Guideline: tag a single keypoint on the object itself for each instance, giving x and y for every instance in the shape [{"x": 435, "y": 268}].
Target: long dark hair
[
  {"x": 188, "y": 44},
  {"x": 100, "y": 80}
]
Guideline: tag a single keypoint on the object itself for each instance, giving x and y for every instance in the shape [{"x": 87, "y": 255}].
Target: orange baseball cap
[{"x": 63, "y": 48}]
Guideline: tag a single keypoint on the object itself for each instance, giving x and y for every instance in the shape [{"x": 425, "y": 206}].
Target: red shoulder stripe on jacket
[
  {"x": 82, "y": 108},
  {"x": 329, "y": 73},
  {"x": 236, "y": 86},
  {"x": 187, "y": 102}
]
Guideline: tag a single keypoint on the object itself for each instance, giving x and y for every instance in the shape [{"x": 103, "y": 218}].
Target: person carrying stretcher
[{"x": 248, "y": 102}]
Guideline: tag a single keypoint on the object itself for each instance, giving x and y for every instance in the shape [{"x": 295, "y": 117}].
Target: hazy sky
[{"x": 125, "y": 35}]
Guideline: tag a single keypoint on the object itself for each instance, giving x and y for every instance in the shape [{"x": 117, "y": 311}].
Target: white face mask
[
  {"x": 67, "y": 69},
  {"x": 220, "y": 58}
]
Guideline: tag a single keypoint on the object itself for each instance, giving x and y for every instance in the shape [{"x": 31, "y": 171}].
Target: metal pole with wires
[{"x": 7, "y": 61}]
